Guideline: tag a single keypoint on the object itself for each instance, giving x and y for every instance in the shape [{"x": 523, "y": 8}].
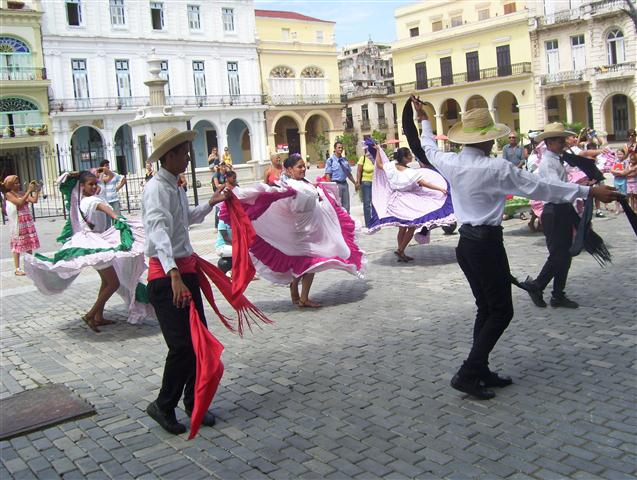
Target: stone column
[
  {"x": 440, "y": 130},
  {"x": 303, "y": 144},
  {"x": 569, "y": 108}
]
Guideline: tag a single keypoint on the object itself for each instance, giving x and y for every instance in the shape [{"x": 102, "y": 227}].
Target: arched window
[
  {"x": 312, "y": 72},
  {"x": 14, "y": 56},
  {"x": 17, "y": 115},
  {"x": 282, "y": 71},
  {"x": 615, "y": 47}
]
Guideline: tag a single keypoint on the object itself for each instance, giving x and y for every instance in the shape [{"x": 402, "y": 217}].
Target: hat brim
[
  {"x": 456, "y": 134},
  {"x": 171, "y": 142},
  {"x": 545, "y": 135}
]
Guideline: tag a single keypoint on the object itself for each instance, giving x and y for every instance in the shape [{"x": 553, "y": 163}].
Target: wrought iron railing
[
  {"x": 127, "y": 103},
  {"x": 215, "y": 100},
  {"x": 302, "y": 99},
  {"x": 613, "y": 70},
  {"x": 559, "y": 17},
  {"x": 562, "y": 77},
  {"x": 23, "y": 130},
  {"x": 461, "y": 78},
  {"x": 22, "y": 73}
]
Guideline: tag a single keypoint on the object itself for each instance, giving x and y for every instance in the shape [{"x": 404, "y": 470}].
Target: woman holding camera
[{"x": 23, "y": 236}]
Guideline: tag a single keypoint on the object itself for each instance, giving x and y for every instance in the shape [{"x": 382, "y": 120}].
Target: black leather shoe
[
  {"x": 472, "y": 386},
  {"x": 167, "y": 421},
  {"x": 530, "y": 287},
  {"x": 563, "y": 302},
  {"x": 494, "y": 380},
  {"x": 208, "y": 418}
]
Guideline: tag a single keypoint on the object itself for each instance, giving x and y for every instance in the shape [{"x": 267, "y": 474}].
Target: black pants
[
  {"x": 486, "y": 267},
  {"x": 558, "y": 220},
  {"x": 180, "y": 368}
]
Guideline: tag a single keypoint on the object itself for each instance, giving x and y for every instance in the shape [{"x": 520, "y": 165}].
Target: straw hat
[
  {"x": 477, "y": 126},
  {"x": 553, "y": 130},
  {"x": 168, "y": 139}
]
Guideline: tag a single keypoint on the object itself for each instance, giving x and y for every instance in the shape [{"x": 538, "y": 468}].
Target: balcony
[
  {"x": 369, "y": 92},
  {"x": 553, "y": 79},
  {"x": 515, "y": 69},
  {"x": 133, "y": 103},
  {"x": 607, "y": 7},
  {"x": 560, "y": 17},
  {"x": 22, "y": 74},
  {"x": 278, "y": 100},
  {"x": 365, "y": 124},
  {"x": 615, "y": 72},
  {"x": 23, "y": 131}
]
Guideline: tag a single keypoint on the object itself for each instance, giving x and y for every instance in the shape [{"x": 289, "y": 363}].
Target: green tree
[
  {"x": 320, "y": 145},
  {"x": 380, "y": 137}
]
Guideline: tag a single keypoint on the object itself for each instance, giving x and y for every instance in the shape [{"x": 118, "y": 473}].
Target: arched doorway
[
  {"x": 506, "y": 110},
  {"x": 123, "y": 150},
  {"x": 555, "y": 109},
  {"x": 286, "y": 135},
  {"x": 239, "y": 147},
  {"x": 204, "y": 142},
  {"x": 476, "y": 101},
  {"x": 87, "y": 148},
  {"x": 317, "y": 137},
  {"x": 619, "y": 116},
  {"x": 450, "y": 112}
]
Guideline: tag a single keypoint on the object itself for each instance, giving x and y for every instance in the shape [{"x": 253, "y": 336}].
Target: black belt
[
  {"x": 341, "y": 182},
  {"x": 481, "y": 233}
]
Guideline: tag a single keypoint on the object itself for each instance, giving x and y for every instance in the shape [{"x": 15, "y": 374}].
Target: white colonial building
[
  {"x": 96, "y": 53},
  {"x": 585, "y": 53}
]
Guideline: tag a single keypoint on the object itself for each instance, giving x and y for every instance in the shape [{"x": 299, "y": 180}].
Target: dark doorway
[
  {"x": 473, "y": 67},
  {"x": 421, "y": 76},
  {"x": 211, "y": 140},
  {"x": 620, "y": 117},
  {"x": 503, "y": 55},
  {"x": 294, "y": 141},
  {"x": 446, "y": 73}
]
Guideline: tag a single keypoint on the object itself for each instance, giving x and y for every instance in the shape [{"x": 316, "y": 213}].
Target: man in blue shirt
[
  {"x": 338, "y": 170},
  {"x": 514, "y": 153}
]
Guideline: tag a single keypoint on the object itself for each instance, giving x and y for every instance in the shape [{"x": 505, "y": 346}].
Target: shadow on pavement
[
  {"x": 121, "y": 330},
  {"x": 424, "y": 255}
]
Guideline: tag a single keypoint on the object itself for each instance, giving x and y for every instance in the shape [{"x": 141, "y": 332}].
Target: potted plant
[
  {"x": 31, "y": 131},
  {"x": 43, "y": 130}
]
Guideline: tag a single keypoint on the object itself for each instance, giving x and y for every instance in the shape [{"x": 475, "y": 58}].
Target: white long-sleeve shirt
[
  {"x": 479, "y": 184},
  {"x": 552, "y": 168},
  {"x": 166, "y": 216}
]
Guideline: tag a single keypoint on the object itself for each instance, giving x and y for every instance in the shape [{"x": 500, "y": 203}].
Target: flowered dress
[{"x": 24, "y": 238}]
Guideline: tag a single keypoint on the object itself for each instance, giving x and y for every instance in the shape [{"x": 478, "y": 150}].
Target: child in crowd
[{"x": 618, "y": 172}]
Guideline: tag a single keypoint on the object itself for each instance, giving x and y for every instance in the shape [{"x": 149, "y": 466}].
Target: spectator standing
[
  {"x": 365, "y": 176},
  {"x": 513, "y": 152},
  {"x": 338, "y": 170},
  {"x": 111, "y": 183},
  {"x": 23, "y": 236}
]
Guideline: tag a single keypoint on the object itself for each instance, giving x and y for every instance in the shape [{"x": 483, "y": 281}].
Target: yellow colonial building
[
  {"x": 25, "y": 142},
  {"x": 458, "y": 55},
  {"x": 299, "y": 75}
]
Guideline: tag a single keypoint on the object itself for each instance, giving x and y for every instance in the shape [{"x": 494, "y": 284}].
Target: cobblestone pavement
[{"x": 358, "y": 389}]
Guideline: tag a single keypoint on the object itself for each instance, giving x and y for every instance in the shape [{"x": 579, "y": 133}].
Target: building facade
[
  {"x": 366, "y": 79},
  {"x": 25, "y": 140},
  {"x": 584, "y": 64},
  {"x": 299, "y": 75},
  {"x": 457, "y": 55},
  {"x": 97, "y": 51}
]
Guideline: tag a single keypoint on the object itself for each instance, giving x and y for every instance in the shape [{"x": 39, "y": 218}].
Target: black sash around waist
[{"x": 481, "y": 233}]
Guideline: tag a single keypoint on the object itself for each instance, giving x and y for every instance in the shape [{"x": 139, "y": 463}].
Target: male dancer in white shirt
[
  {"x": 166, "y": 216},
  {"x": 558, "y": 221},
  {"x": 479, "y": 185}
]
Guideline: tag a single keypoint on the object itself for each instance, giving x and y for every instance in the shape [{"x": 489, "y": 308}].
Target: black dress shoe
[
  {"x": 494, "y": 380},
  {"x": 563, "y": 302},
  {"x": 208, "y": 418},
  {"x": 530, "y": 287},
  {"x": 472, "y": 386},
  {"x": 167, "y": 421}
]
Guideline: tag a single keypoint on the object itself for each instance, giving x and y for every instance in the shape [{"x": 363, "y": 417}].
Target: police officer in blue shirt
[{"x": 338, "y": 170}]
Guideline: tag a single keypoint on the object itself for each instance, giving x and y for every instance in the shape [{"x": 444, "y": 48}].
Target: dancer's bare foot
[
  {"x": 309, "y": 304},
  {"x": 19, "y": 272},
  {"x": 91, "y": 323}
]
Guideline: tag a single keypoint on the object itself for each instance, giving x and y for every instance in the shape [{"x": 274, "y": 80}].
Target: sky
[{"x": 355, "y": 20}]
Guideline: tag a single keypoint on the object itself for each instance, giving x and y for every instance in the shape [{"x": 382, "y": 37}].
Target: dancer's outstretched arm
[{"x": 432, "y": 186}]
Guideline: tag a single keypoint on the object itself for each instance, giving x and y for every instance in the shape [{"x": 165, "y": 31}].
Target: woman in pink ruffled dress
[{"x": 300, "y": 232}]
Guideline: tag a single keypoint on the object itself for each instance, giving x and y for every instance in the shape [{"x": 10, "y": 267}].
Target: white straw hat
[
  {"x": 477, "y": 126},
  {"x": 553, "y": 130},
  {"x": 167, "y": 139}
]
